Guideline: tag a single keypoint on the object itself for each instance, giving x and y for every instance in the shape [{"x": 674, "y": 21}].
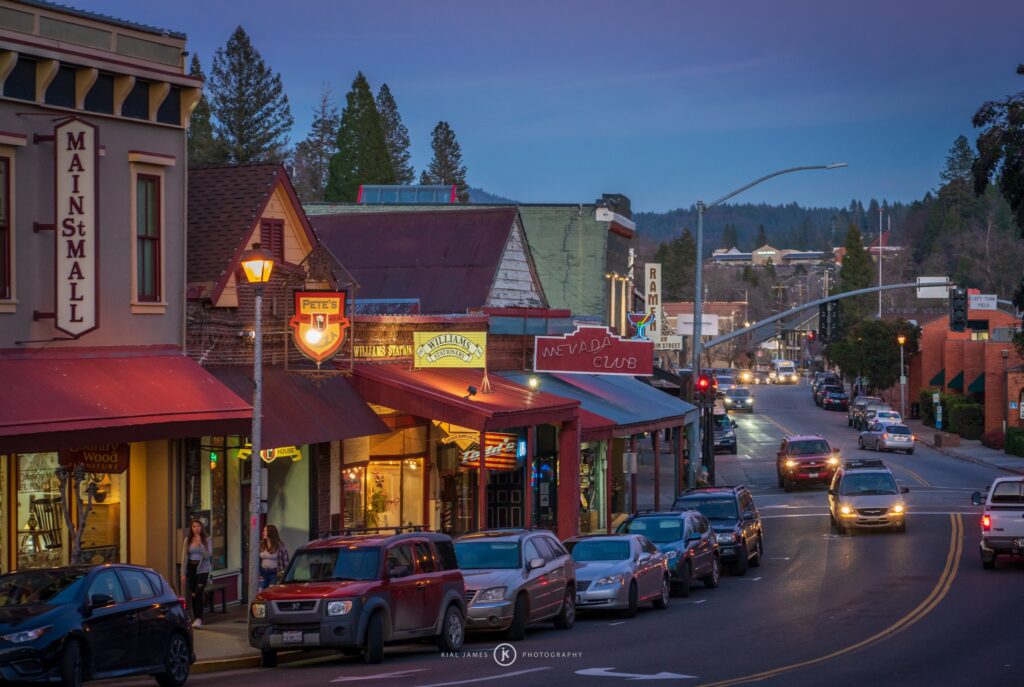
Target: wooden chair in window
[{"x": 49, "y": 514}]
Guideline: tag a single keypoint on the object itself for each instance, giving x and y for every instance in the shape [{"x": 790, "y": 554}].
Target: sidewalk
[
  {"x": 222, "y": 643},
  {"x": 968, "y": 450}
]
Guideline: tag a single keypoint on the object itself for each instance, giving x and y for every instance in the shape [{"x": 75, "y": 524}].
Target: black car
[
  {"x": 825, "y": 390},
  {"x": 734, "y": 517},
  {"x": 688, "y": 542},
  {"x": 87, "y": 622},
  {"x": 835, "y": 400},
  {"x": 725, "y": 433}
]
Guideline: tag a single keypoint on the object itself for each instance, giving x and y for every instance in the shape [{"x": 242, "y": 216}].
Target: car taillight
[
  {"x": 885, "y": 436},
  {"x": 986, "y": 522}
]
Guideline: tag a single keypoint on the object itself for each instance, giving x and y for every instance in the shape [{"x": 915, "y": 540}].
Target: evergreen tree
[
  {"x": 362, "y": 156},
  {"x": 959, "y": 161},
  {"x": 250, "y": 109},
  {"x": 729, "y": 237},
  {"x": 857, "y": 272},
  {"x": 1001, "y": 150},
  {"x": 203, "y": 148},
  {"x": 446, "y": 166},
  {"x": 678, "y": 260},
  {"x": 312, "y": 158},
  {"x": 396, "y": 136},
  {"x": 762, "y": 237}
]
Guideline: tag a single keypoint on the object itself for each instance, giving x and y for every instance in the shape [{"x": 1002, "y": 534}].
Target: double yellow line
[{"x": 938, "y": 593}]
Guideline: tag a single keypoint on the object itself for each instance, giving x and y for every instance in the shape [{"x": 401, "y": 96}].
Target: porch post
[
  {"x": 680, "y": 469},
  {"x": 531, "y": 443},
  {"x": 481, "y": 485},
  {"x": 569, "y": 479},
  {"x": 656, "y": 445},
  {"x": 634, "y": 449}
]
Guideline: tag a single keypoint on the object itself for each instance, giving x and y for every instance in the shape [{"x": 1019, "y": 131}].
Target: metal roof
[{"x": 96, "y": 16}]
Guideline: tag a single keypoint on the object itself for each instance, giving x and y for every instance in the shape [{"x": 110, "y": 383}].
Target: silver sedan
[
  {"x": 619, "y": 572},
  {"x": 886, "y": 437}
]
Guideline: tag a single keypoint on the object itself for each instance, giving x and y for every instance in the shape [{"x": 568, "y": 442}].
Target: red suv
[
  {"x": 805, "y": 459},
  {"x": 356, "y": 593}
]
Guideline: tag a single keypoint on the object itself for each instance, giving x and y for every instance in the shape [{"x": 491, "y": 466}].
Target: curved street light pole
[{"x": 698, "y": 298}]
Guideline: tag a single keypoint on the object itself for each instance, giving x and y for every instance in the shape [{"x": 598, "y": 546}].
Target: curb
[
  {"x": 216, "y": 665},
  {"x": 970, "y": 459}
]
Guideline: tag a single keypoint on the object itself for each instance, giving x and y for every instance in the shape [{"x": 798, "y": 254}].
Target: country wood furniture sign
[
  {"x": 450, "y": 349},
  {"x": 319, "y": 324},
  {"x": 107, "y": 458},
  {"x": 593, "y": 350},
  {"x": 76, "y": 162}
]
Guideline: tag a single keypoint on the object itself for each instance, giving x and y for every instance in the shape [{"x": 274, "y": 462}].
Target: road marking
[
  {"x": 913, "y": 474},
  {"x": 378, "y": 676},
  {"x": 752, "y": 579},
  {"x": 499, "y": 676},
  {"x": 607, "y": 672},
  {"x": 747, "y": 456},
  {"x": 938, "y": 593},
  {"x": 621, "y": 622},
  {"x": 778, "y": 558}
]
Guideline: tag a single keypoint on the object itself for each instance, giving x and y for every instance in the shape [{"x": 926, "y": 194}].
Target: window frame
[
  {"x": 8, "y": 290},
  {"x": 157, "y": 181},
  {"x": 271, "y": 227},
  {"x": 148, "y": 165}
]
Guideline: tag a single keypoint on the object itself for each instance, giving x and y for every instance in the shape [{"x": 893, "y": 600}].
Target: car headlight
[
  {"x": 339, "y": 607},
  {"x": 26, "y": 635},
  {"x": 729, "y": 434},
  {"x": 847, "y": 511},
  {"x": 833, "y": 461},
  {"x": 898, "y": 508},
  {"x": 728, "y": 400},
  {"x": 790, "y": 463},
  {"x": 750, "y": 401},
  {"x": 669, "y": 555},
  {"x": 492, "y": 594},
  {"x": 726, "y": 537},
  {"x": 259, "y": 610},
  {"x": 611, "y": 580}
]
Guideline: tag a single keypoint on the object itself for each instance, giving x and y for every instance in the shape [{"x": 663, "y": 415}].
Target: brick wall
[{"x": 995, "y": 401}]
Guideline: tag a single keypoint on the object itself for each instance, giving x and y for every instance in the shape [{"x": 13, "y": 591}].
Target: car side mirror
[
  {"x": 976, "y": 498},
  {"x": 747, "y": 515},
  {"x": 101, "y": 600},
  {"x": 904, "y": 490},
  {"x": 693, "y": 536},
  {"x": 535, "y": 563},
  {"x": 644, "y": 557},
  {"x": 831, "y": 492},
  {"x": 733, "y": 423}
]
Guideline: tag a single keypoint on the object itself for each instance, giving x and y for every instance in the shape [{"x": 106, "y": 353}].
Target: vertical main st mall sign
[{"x": 76, "y": 262}]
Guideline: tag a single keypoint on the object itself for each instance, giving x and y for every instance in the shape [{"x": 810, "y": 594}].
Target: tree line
[{"x": 244, "y": 117}]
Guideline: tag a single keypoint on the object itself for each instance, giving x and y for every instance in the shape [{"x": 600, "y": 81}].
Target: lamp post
[
  {"x": 258, "y": 264},
  {"x": 695, "y": 459},
  {"x": 1006, "y": 392},
  {"x": 901, "y": 339}
]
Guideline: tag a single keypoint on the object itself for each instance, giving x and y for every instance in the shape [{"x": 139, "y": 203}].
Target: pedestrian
[
  {"x": 273, "y": 557},
  {"x": 196, "y": 568}
]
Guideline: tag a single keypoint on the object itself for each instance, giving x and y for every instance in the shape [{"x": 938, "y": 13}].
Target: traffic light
[
  {"x": 823, "y": 321},
  {"x": 831, "y": 332},
  {"x": 812, "y": 336},
  {"x": 703, "y": 388},
  {"x": 958, "y": 309}
]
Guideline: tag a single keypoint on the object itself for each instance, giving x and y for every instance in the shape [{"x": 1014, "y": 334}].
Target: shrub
[
  {"x": 1015, "y": 440},
  {"x": 994, "y": 439},
  {"x": 967, "y": 419}
]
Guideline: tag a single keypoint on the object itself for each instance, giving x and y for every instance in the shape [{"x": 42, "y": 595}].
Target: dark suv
[
  {"x": 687, "y": 540},
  {"x": 725, "y": 433},
  {"x": 805, "y": 460},
  {"x": 735, "y": 520},
  {"x": 357, "y": 593}
]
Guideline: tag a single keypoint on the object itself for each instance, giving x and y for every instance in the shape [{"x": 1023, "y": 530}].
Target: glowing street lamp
[{"x": 902, "y": 339}]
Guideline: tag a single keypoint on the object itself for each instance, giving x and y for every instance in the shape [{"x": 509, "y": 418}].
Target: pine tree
[
  {"x": 857, "y": 272},
  {"x": 203, "y": 148},
  {"x": 729, "y": 237},
  {"x": 312, "y": 158},
  {"x": 1001, "y": 150},
  {"x": 250, "y": 109},
  {"x": 362, "y": 156},
  {"x": 396, "y": 136},
  {"x": 677, "y": 258},
  {"x": 446, "y": 166},
  {"x": 762, "y": 237}
]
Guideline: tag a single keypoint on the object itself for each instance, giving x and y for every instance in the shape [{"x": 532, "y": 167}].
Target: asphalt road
[{"x": 862, "y": 609}]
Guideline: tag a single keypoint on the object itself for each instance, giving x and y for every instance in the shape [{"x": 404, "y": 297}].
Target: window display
[
  {"x": 42, "y": 532},
  {"x": 384, "y": 493}
]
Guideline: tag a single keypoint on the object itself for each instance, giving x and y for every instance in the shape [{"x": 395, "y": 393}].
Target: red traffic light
[
  {"x": 812, "y": 335},
  {"x": 703, "y": 383}
]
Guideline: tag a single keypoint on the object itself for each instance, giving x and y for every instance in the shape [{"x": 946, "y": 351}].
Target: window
[
  {"x": 1008, "y": 492},
  {"x": 556, "y": 547},
  {"x": 137, "y": 585},
  {"x": 545, "y": 548},
  {"x": 400, "y": 561},
  {"x": 6, "y": 245},
  {"x": 530, "y": 551},
  {"x": 106, "y": 583},
  {"x": 446, "y": 555},
  {"x": 272, "y": 238},
  {"x": 147, "y": 232},
  {"x": 425, "y": 558}
]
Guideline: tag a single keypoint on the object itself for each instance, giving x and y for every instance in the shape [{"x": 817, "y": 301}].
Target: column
[
  {"x": 481, "y": 485},
  {"x": 656, "y": 445},
  {"x": 531, "y": 443},
  {"x": 634, "y": 449},
  {"x": 680, "y": 468},
  {"x": 568, "y": 485}
]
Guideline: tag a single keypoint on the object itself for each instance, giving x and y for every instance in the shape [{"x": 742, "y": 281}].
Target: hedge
[
  {"x": 994, "y": 438},
  {"x": 1015, "y": 440},
  {"x": 967, "y": 419}
]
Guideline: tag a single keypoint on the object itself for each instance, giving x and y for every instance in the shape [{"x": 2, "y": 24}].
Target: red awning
[
  {"x": 443, "y": 394},
  {"x": 297, "y": 410},
  {"x": 595, "y": 427},
  {"x": 66, "y": 398}
]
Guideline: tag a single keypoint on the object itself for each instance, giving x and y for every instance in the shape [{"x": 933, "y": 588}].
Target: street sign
[
  {"x": 903, "y": 379},
  {"x": 669, "y": 342},
  {"x": 938, "y": 423},
  {"x": 933, "y": 287},
  {"x": 1013, "y": 405},
  {"x": 935, "y": 398},
  {"x": 983, "y": 301}
]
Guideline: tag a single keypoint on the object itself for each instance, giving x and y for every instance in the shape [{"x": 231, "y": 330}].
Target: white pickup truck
[{"x": 1002, "y": 522}]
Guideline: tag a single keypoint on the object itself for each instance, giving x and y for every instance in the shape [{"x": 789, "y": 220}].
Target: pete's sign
[
  {"x": 593, "y": 350},
  {"x": 76, "y": 162},
  {"x": 450, "y": 349},
  {"x": 319, "y": 324},
  {"x": 110, "y": 458},
  {"x": 501, "y": 453}
]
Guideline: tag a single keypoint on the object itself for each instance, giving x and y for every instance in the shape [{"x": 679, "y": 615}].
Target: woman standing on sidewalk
[
  {"x": 195, "y": 568},
  {"x": 273, "y": 557}
]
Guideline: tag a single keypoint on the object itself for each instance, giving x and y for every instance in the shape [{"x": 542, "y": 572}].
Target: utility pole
[{"x": 879, "y": 261}]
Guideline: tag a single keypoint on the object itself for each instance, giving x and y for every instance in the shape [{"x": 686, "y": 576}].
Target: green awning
[
  {"x": 957, "y": 383},
  {"x": 939, "y": 379},
  {"x": 978, "y": 385}
]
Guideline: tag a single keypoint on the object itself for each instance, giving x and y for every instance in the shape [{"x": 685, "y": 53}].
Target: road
[{"x": 862, "y": 609}]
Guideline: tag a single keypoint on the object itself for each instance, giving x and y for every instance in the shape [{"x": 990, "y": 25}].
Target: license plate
[
  {"x": 812, "y": 475},
  {"x": 292, "y": 637}
]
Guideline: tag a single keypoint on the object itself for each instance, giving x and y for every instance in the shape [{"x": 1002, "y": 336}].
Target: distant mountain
[{"x": 479, "y": 196}]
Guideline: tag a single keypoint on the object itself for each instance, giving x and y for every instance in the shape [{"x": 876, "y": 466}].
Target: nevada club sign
[
  {"x": 593, "y": 350},
  {"x": 76, "y": 162}
]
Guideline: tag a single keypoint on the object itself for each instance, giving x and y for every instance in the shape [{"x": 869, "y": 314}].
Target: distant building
[{"x": 779, "y": 257}]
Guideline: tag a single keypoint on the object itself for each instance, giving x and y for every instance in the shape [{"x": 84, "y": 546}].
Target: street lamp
[
  {"x": 901, "y": 339},
  {"x": 1006, "y": 401},
  {"x": 697, "y": 300},
  {"x": 257, "y": 264}
]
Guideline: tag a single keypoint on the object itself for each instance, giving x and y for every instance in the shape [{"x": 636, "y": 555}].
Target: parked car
[
  {"x": 856, "y": 407},
  {"x": 619, "y": 572},
  {"x": 805, "y": 459},
  {"x": 885, "y": 437},
  {"x": 735, "y": 520},
  {"x": 89, "y": 622},
  {"x": 356, "y": 593},
  {"x": 889, "y": 417},
  {"x": 835, "y": 400},
  {"x": 867, "y": 416},
  {"x": 515, "y": 578},
  {"x": 739, "y": 398},
  {"x": 687, "y": 540},
  {"x": 1002, "y": 527},
  {"x": 725, "y": 433},
  {"x": 825, "y": 390},
  {"x": 864, "y": 494}
]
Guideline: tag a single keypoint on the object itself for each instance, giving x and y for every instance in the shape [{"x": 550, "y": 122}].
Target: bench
[{"x": 209, "y": 597}]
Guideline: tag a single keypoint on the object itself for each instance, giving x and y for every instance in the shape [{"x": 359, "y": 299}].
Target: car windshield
[
  {"x": 837, "y": 394},
  {"x": 712, "y": 509},
  {"x": 488, "y": 555},
  {"x": 52, "y": 587},
  {"x": 897, "y": 429},
  {"x": 323, "y": 565},
  {"x": 739, "y": 393},
  {"x": 658, "y": 530},
  {"x": 725, "y": 380},
  {"x": 599, "y": 550},
  {"x": 808, "y": 447},
  {"x": 871, "y": 483},
  {"x": 723, "y": 422}
]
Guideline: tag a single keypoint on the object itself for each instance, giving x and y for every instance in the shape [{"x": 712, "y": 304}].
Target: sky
[{"x": 664, "y": 101}]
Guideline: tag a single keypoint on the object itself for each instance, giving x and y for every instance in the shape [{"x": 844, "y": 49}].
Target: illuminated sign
[
  {"x": 76, "y": 261},
  {"x": 652, "y": 300},
  {"x": 450, "y": 349},
  {"x": 642, "y": 321},
  {"x": 366, "y": 351},
  {"x": 502, "y": 453},
  {"x": 319, "y": 324},
  {"x": 593, "y": 350},
  {"x": 108, "y": 458},
  {"x": 269, "y": 455}
]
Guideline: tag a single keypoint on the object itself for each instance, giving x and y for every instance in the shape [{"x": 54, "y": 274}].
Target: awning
[
  {"x": 939, "y": 379},
  {"x": 978, "y": 385},
  {"x": 62, "y": 399},
  {"x": 443, "y": 394},
  {"x": 957, "y": 383},
  {"x": 297, "y": 410},
  {"x": 633, "y": 406},
  {"x": 595, "y": 427}
]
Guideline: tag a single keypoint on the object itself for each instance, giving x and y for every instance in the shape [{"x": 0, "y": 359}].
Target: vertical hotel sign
[{"x": 76, "y": 162}]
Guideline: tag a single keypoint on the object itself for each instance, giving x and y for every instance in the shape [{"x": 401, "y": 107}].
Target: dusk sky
[{"x": 665, "y": 102}]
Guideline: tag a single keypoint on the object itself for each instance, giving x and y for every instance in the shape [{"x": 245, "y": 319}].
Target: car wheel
[
  {"x": 910, "y": 451},
  {"x": 755, "y": 562},
  {"x": 177, "y": 662},
  {"x": 782, "y": 481},
  {"x": 733, "y": 450},
  {"x": 373, "y": 651},
  {"x": 71, "y": 664},
  {"x": 661, "y": 603},
  {"x": 711, "y": 579},
  {"x": 684, "y": 584},
  {"x": 988, "y": 563},
  {"x": 630, "y": 611},
  {"x": 902, "y": 527},
  {"x": 840, "y": 528},
  {"x": 567, "y": 616},
  {"x": 517, "y": 630},
  {"x": 787, "y": 484},
  {"x": 453, "y": 630},
  {"x": 268, "y": 658},
  {"x": 739, "y": 568}
]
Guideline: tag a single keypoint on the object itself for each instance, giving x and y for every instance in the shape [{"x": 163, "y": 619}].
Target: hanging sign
[
  {"x": 593, "y": 350},
  {"x": 108, "y": 458},
  {"x": 652, "y": 300},
  {"x": 269, "y": 455},
  {"x": 319, "y": 324},
  {"x": 502, "y": 453},
  {"x": 76, "y": 261},
  {"x": 450, "y": 349}
]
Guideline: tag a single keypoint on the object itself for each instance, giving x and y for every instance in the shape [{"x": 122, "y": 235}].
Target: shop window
[
  {"x": 4, "y": 564},
  {"x": 6, "y": 243},
  {"x": 412, "y": 491},
  {"x": 384, "y": 493},
  {"x": 206, "y": 490},
  {"x": 147, "y": 238},
  {"x": 353, "y": 496},
  {"x": 40, "y": 514}
]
